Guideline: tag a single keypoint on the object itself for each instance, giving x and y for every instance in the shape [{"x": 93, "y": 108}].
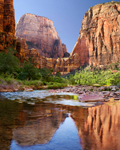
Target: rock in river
[{"x": 90, "y": 98}]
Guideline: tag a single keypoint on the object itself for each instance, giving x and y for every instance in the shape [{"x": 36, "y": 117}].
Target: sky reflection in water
[{"x": 65, "y": 138}]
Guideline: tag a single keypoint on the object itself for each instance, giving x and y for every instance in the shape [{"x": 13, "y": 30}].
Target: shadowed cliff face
[
  {"x": 7, "y": 24},
  {"x": 99, "y": 42},
  {"x": 102, "y": 128},
  {"x": 41, "y": 35}
]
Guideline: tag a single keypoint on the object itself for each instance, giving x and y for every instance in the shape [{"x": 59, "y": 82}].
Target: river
[{"x": 41, "y": 120}]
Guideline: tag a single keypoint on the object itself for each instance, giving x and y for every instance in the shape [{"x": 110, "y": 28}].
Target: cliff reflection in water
[
  {"x": 42, "y": 123},
  {"x": 24, "y": 125},
  {"x": 102, "y": 128}
]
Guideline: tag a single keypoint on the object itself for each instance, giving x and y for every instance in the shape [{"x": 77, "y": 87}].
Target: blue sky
[{"x": 66, "y": 15}]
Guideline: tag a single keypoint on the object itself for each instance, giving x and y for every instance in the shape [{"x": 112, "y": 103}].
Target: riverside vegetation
[
  {"x": 97, "y": 76},
  {"x": 13, "y": 73}
]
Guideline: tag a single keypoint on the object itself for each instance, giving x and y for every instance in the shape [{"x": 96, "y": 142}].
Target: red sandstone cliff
[
  {"x": 40, "y": 33},
  {"x": 99, "y": 39},
  {"x": 7, "y": 24}
]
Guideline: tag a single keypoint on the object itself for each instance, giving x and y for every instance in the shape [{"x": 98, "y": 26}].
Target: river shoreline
[{"x": 105, "y": 92}]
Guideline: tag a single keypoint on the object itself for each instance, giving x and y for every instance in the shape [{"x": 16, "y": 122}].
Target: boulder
[{"x": 91, "y": 98}]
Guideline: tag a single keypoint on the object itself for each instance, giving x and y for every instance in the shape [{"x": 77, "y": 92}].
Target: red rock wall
[
  {"x": 100, "y": 35},
  {"x": 43, "y": 35},
  {"x": 7, "y": 24}
]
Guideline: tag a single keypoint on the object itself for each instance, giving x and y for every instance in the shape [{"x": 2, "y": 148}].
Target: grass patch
[{"x": 55, "y": 85}]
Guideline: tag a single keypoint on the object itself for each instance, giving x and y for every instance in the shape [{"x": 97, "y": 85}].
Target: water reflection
[
  {"x": 40, "y": 126},
  {"x": 32, "y": 125},
  {"x": 48, "y": 124},
  {"x": 45, "y": 126},
  {"x": 65, "y": 138},
  {"x": 102, "y": 128}
]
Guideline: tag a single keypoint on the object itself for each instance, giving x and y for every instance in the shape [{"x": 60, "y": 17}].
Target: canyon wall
[
  {"x": 40, "y": 33},
  {"x": 7, "y": 24},
  {"x": 99, "y": 39},
  {"x": 97, "y": 44}
]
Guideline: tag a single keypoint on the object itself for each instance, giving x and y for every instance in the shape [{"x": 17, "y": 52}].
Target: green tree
[
  {"x": 9, "y": 63},
  {"x": 46, "y": 74},
  {"x": 29, "y": 72}
]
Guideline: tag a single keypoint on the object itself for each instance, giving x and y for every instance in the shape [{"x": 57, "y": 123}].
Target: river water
[{"x": 41, "y": 120}]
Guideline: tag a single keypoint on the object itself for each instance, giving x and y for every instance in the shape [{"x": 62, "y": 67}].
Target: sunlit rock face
[
  {"x": 99, "y": 39},
  {"x": 40, "y": 33},
  {"x": 7, "y": 24},
  {"x": 102, "y": 128}
]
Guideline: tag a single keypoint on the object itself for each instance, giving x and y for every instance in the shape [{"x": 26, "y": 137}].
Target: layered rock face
[
  {"x": 40, "y": 33},
  {"x": 99, "y": 39},
  {"x": 7, "y": 24},
  {"x": 63, "y": 65}
]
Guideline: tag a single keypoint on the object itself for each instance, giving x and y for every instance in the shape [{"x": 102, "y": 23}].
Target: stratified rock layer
[
  {"x": 63, "y": 65},
  {"x": 99, "y": 39},
  {"x": 7, "y": 24},
  {"x": 40, "y": 33}
]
